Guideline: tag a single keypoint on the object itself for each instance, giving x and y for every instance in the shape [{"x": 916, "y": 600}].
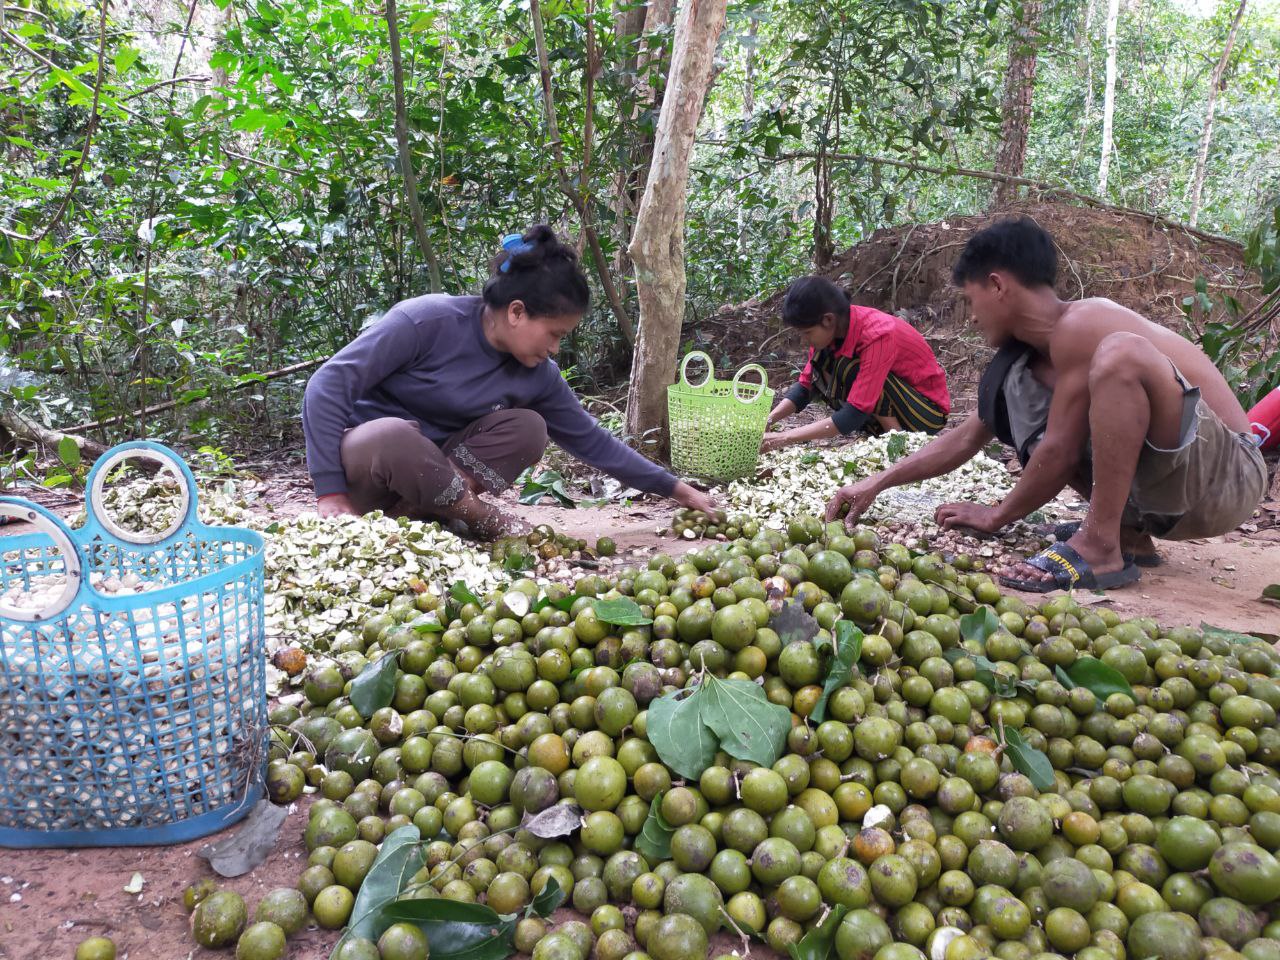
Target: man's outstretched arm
[
  {"x": 939, "y": 456},
  {"x": 1055, "y": 460}
]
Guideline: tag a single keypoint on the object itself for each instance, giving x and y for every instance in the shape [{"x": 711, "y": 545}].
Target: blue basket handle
[
  {"x": 51, "y": 525},
  {"x": 142, "y": 450},
  {"x": 759, "y": 388},
  {"x": 684, "y": 369}
]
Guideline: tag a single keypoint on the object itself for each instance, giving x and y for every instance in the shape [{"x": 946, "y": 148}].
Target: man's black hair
[
  {"x": 542, "y": 272},
  {"x": 809, "y": 298},
  {"x": 1018, "y": 246}
]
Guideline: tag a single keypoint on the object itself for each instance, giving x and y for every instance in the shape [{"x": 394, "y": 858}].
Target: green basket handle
[
  {"x": 761, "y": 387},
  {"x": 684, "y": 369}
]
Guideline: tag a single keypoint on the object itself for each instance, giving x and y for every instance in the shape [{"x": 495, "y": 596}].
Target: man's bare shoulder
[{"x": 1084, "y": 323}]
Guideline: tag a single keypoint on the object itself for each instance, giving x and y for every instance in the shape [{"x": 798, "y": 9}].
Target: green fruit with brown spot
[{"x": 218, "y": 919}]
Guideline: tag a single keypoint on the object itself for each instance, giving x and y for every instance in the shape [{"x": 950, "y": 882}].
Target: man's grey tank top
[{"x": 1027, "y": 400}]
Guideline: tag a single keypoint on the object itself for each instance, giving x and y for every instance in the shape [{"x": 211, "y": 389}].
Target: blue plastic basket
[{"x": 129, "y": 718}]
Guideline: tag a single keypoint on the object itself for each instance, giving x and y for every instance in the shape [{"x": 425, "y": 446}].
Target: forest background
[{"x": 200, "y": 202}]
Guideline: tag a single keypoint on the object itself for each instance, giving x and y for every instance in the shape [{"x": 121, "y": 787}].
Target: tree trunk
[
  {"x": 652, "y": 50},
  {"x": 749, "y": 80},
  {"x": 1206, "y": 135},
  {"x": 1019, "y": 86},
  {"x": 407, "y": 173},
  {"x": 1109, "y": 98},
  {"x": 657, "y": 245}
]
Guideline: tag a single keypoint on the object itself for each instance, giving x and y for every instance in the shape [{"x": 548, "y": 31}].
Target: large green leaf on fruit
[
  {"x": 464, "y": 594},
  {"x": 988, "y": 674},
  {"x": 1027, "y": 760},
  {"x": 620, "y": 612},
  {"x": 548, "y": 898},
  {"x": 1101, "y": 679},
  {"x": 819, "y": 942},
  {"x": 456, "y": 931},
  {"x": 848, "y": 651},
  {"x": 375, "y": 686},
  {"x": 675, "y": 728},
  {"x": 399, "y": 858},
  {"x": 654, "y": 840},
  {"x": 748, "y": 725},
  {"x": 980, "y": 624}
]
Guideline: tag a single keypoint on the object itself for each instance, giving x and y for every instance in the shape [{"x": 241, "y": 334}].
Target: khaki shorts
[{"x": 1206, "y": 486}]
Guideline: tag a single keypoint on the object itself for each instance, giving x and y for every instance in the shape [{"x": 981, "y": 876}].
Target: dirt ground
[{"x": 50, "y": 900}]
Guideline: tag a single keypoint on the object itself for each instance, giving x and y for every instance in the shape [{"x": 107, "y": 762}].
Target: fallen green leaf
[
  {"x": 375, "y": 686},
  {"x": 456, "y": 931},
  {"x": 462, "y": 593},
  {"x": 676, "y": 731},
  {"x": 654, "y": 840},
  {"x": 1271, "y": 591},
  {"x": 399, "y": 858},
  {"x": 1101, "y": 679},
  {"x": 819, "y": 942},
  {"x": 621, "y": 612},
  {"x": 980, "y": 624},
  {"x": 748, "y": 725},
  {"x": 550, "y": 897},
  {"x": 848, "y": 650},
  {"x": 1028, "y": 760}
]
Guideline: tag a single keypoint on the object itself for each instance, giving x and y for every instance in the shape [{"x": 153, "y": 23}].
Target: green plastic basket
[{"x": 717, "y": 425}]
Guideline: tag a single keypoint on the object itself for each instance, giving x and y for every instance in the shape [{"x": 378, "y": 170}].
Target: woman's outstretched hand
[
  {"x": 336, "y": 505},
  {"x": 687, "y": 496}
]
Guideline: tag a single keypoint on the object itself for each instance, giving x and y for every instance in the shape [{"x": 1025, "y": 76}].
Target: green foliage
[{"x": 219, "y": 230}]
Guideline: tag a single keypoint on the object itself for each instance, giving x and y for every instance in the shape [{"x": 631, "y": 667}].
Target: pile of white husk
[
  {"x": 322, "y": 574},
  {"x": 802, "y": 480}
]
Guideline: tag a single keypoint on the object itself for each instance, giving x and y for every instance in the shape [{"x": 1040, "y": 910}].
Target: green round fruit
[
  {"x": 696, "y": 896},
  {"x": 677, "y": 936},
  {"x": 1245, "y": 872},
  {"x": 600, "y": 784},
  {"x": 96, "y": 948},
  {"x": 332, "y": 907},
  {"x": 218, "y": 919},
  {"x": 262, "y": 941},
  {"x": 403, "y": 941},
  {"x": 1170, "y": 936},
  {"x": 286, "y": 907},
  {"x": 1187, "y": 843},
  {"x": 861, "y": 935}
]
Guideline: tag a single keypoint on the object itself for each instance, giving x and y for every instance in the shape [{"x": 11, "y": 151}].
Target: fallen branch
[
  {"x": 173, "y": 404},
  {"x": 21, "y": 427}
]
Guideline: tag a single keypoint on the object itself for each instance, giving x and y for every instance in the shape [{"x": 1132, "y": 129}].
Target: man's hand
[
  {"x": 975, "y": 516},
  {"x": 774, "y": 441},
  {"x": 687, "y": 496},
  {"x": 859, "y": 496},
  {"x": 336, "y": 505}
]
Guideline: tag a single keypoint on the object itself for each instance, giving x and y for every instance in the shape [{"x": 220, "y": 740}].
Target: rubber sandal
[
  {"x": 1065, "y": 531},
  {"x": 1070, "y": 571}
]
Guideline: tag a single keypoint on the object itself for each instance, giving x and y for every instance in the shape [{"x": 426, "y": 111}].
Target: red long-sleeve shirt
[{"x": 886, "y": 344}]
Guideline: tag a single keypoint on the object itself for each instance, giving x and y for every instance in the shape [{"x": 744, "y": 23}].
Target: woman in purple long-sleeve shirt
[{"x": 448, "y": 397}]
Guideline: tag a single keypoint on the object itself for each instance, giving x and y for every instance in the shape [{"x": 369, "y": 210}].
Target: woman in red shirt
[{"x": 874, "y": 370}]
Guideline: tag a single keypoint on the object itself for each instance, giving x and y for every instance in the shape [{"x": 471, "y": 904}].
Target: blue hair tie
[{"x": 514, "y": 244}]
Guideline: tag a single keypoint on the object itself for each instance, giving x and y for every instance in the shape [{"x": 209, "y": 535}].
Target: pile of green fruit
[
  {"x": 689, "y": 524},
  {"x": 836, "y": 746}
]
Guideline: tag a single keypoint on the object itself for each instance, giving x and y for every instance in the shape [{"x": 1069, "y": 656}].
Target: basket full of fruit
[{"x": 133, "y": 704}]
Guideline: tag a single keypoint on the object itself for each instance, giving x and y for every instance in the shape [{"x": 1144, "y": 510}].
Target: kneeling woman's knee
[{"x": 529, "y": 434}]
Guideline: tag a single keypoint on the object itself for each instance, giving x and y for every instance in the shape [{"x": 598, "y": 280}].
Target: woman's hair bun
[{"x": 539, "y": 269}]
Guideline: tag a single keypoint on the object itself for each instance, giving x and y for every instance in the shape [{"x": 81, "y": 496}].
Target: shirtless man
[{"x": 1176, "y": 456}]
